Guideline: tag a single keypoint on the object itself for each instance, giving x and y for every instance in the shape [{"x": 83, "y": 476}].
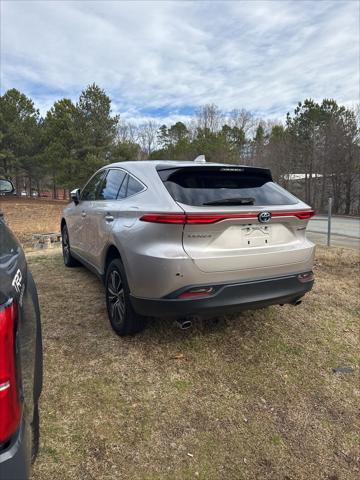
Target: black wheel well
[{"x": 111, "y": 254}]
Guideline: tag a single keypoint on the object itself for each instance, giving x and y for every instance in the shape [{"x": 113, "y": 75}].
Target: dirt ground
[
  {"x": 251, "y": 396},
  {"x": 26, "y": 216}
]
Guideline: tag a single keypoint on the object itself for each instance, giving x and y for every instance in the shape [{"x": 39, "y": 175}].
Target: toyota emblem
[{"x": 264, "y": 217}]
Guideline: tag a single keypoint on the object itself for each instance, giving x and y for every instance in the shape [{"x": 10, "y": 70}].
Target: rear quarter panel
[{"x": 141, "y": 243}]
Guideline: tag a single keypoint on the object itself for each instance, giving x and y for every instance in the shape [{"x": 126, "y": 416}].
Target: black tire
[
  {"x": 35, "y": 432},
  {"x": 123, "y": 318},
  {"x": 69, "y": 260}
]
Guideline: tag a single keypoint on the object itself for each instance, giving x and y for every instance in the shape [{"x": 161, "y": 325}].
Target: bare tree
[
  {"x": 127, "y": 132},
  {"x": 209, "y": 117},
  {"x": 191, "y": 126},
  {"x": 147, "y": 136},
  {"x": 242, "y": 119}
]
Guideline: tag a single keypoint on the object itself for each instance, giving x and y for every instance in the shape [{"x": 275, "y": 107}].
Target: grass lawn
[{"x": 251, "y": 396}]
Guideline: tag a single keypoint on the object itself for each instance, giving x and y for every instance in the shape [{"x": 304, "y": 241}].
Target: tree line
[{"x": 314, "y": 152}]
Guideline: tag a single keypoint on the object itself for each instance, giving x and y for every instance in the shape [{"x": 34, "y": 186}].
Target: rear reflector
[
  {"x": 197, "y": 292},
  {"x": 4, "y": 385},
  {"x": 9, "y": 402},
  {"x": 200, "y": 219}
]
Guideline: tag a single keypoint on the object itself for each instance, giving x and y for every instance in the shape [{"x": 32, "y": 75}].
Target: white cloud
[{"x": 260, "y": 55}]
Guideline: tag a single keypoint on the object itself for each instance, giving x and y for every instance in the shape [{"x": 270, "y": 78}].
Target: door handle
[
  {"x": 83, "y": 214},
  {"x": 109, "y": 218}
]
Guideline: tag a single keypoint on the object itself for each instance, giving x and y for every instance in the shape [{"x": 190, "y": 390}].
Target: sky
[{"x": 163, "y": 59}]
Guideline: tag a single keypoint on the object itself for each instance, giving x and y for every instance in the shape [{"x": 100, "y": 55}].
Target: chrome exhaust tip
[
  {"x": 184, "y": 323},
  {"x": 296, "y": 302}
]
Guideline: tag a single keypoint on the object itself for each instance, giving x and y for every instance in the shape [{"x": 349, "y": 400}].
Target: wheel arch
[{"x": 111, "y": 253}]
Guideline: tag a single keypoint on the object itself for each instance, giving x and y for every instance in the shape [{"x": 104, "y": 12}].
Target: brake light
[
  {"x": 9, "y": 402},
  {"x": 302, "y": 214},
  {"x": 164, "y": 218},
  {"x": 205, "y": 218},
  {"x": 194, "y": 219}
]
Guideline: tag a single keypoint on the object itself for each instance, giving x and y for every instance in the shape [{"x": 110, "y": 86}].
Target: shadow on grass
[{"x": 165, "y": 330}]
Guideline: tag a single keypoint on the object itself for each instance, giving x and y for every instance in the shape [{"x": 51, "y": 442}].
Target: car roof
[
  {"x": 155, "y": 163},
  {"x": 176, "y": 163}
]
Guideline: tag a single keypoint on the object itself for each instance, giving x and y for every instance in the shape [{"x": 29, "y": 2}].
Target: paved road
[{"x": 345, "y": 231}]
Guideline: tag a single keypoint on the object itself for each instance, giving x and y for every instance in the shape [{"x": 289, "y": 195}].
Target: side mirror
[
  {"x": 75, "y": 195},
  {"x": 6, "y": 187}
]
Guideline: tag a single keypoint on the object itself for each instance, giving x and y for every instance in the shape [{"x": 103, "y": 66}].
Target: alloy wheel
[
  {"x": 65, "y": 244},
  {"x": 116, "y": 298}
]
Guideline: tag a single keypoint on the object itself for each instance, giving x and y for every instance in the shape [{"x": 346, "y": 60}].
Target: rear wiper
[{"x": 232, "y": 201}]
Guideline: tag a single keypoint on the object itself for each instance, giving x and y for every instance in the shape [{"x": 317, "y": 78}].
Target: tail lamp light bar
[{"x": 205, "y": 218}]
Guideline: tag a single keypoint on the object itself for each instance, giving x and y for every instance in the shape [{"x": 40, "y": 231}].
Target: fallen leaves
[{"x": 178, "y": 356}]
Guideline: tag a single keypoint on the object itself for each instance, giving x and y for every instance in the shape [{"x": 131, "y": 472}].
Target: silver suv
[{"x": 178, "y": 239}]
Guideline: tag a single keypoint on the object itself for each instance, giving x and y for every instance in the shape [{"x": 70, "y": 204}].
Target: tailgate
[
  {"x": 241, "y": 244},
  {"x": 237, "y": 217}
]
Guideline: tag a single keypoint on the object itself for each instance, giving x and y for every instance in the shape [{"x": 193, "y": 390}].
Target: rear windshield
[{"x": 216, "y": 187}]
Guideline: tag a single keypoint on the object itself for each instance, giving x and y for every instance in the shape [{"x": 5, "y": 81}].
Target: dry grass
[
  {"x": 252, "y": 396},
  {"x": 26, "y": 216}
]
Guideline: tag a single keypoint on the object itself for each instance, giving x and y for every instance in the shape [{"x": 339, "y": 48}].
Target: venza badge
[{"x": 264, "y": 217}]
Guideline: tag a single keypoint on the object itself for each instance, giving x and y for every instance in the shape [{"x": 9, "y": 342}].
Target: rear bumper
[
  {"x": 228, "y": 298},
  {"x": 15, "y": 460}
]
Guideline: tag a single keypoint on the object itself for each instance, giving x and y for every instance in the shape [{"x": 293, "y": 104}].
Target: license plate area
[{"x": 256, "y": 235}]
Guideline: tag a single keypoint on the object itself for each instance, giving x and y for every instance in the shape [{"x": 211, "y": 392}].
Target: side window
[
  {"x": 90, "y": 190},
  {"x": 111, "y": 185},
  {"x": 133, "y": 186},
  {"x": 123, "y": 188}
]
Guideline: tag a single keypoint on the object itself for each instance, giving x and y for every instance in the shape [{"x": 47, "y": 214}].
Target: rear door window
[
  {"x": 225, "y": 186},
  {"x": 123, "y": 188},
  {"x": 112, "y": 184}
]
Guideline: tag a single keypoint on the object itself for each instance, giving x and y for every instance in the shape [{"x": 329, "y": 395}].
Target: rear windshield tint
[{"x": 206, "y": 187}]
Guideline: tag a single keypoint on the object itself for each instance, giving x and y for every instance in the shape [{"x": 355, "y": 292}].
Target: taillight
[
  {"x": 163, "y": 218},
  {"x": 194, "y": 219},
  {"x": 300, "y": 214},
  {"x": 10, "y": 408},
  {"x": 205, "y": 218}
]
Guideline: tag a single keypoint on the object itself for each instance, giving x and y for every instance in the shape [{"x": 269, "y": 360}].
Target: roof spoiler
[{"x": 165, "y": 171}]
